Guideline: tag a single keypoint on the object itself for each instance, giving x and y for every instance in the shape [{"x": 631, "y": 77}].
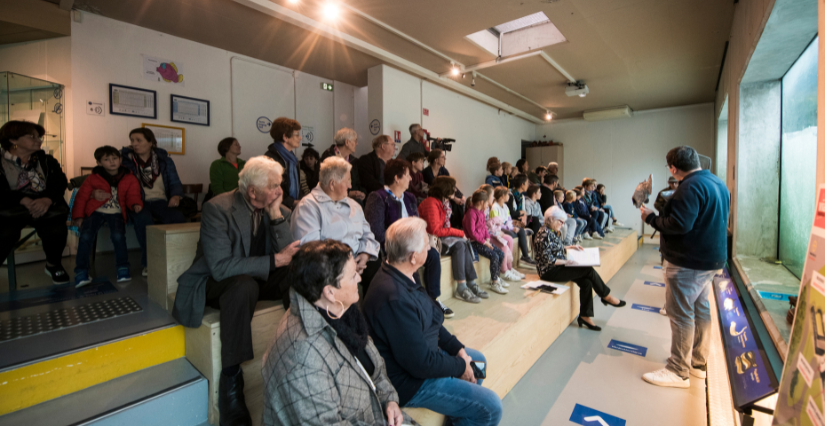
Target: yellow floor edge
[{"x": 36, "y": 383}]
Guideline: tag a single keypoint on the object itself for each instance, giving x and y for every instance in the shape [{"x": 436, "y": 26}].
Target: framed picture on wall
[
  {"x": 189, "y": 110},
  {"x": 132, "y": 101},
  {"x": 172, "y": 139}
]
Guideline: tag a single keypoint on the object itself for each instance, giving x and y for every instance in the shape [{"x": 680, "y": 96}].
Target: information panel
[
  {"x": 801, "y": 399},
  {"x": 750, "y": 377}
]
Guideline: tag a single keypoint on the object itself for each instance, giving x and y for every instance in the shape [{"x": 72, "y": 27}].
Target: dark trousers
[
  {"x": 534, "y": 224},
  {"x": 86, "y": 241},
  {"x": 236, "y": 298},
  {"x": 495, "y": 255},
  {"x": 587, "y": 279},
  {"x": 51, "y": 228},
  {"x": 461, "y": 259},
  {"x": 369, "y": 273},
  {"x": 593, "y": 225},
  {"x": 432, "y": 274},
  {"x": 154, "y": 210},
  {"x": 522, "y": 242}
]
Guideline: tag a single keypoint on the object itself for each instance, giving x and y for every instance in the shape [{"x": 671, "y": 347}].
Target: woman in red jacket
[
  {"x": 90, "y": 213},
  {"x": 436, "y": 211}
]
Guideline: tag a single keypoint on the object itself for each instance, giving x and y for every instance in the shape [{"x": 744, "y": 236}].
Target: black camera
[
  {"x": 308, "y": 145},
  {"x": 444, "y": 144}
]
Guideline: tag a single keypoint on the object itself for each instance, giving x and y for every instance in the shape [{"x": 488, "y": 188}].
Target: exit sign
[{"x": 326, "y": 86}]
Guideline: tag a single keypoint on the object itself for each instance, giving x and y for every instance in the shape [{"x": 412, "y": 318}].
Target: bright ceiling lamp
[
  {"x": 454, "y": 70},
  {"x": 548, "y": 116},
  {"x": 292, "y": 1},
  {"x": 330, "y": 11}
]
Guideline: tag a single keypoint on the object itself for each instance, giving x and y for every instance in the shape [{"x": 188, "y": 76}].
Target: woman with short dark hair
[
  {"x": 286, "y": 138},
  {"x": 322, "y": 367},
  {"x": 32, "y": 186},
  {"x": 223, "y": 173},
  {"x": 160, "y": 187}
]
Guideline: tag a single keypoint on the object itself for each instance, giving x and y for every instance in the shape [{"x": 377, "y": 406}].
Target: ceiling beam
[
  {"x": 66, "y": 4},
  {"x": 309, "y": 24}
]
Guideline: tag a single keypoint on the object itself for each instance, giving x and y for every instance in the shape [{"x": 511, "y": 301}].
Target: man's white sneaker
[
  {"x": 587, "y": 236},
  {"x": 699, "y": 374},
  {"x": 663, "y": 312},
  {"x": 666, "y": 378},
  {"x": 597, "y": 237}
]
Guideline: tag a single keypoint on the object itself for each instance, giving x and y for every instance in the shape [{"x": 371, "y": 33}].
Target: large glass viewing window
[{"x": 798, "y": 158}]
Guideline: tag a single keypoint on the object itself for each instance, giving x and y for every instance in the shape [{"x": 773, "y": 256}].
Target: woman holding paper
[{"x": 553, "y": 265}]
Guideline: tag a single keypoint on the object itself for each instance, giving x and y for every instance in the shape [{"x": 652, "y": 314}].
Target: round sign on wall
[
  {"x": 263, "y": 124},
  {"x": 375, "y": 127}
]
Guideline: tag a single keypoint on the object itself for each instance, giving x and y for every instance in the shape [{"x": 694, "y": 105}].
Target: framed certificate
[
  {"x": 189, "y": 110},
  {"x": 132, "y": 101},
  {"x": 172, "y": 139}
]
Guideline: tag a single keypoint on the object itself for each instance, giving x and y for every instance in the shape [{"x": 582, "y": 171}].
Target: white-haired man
[
  {"x": 327, "y": 212},
  {"x": 243, "y": 255}
]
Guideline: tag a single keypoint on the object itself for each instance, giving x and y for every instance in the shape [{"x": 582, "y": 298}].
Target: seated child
[
  {"x": 601, "y": 196},
  {"x": 593, "y": 230},
  {"x": 494, "y": 178},
  {"x": 89, "y": 213},
  {"x": 417, "y": 185},
  {"x": 500, "y": 209},
  {"x": 498, "y": 238},
  {"x": 535, "y": 217},
  {"x": 475, "y": 229},
  {"x": 569, "y": 199}
]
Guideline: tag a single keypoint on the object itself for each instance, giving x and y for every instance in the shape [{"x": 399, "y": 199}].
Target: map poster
[{"x": 802, "y": 389}]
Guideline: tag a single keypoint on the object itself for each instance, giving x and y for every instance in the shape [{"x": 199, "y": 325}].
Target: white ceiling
[{"x": 643, "y": 53}]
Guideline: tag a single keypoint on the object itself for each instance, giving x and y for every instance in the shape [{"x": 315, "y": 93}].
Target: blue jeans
[
  {"x": 466, "y": 404},
  {"x": 153, "y": 210},
  {"x": 86, "y": 239},
  {"x": 609, "y": 210},
  {"x": 581, "y": 226},
  {"x": 688, "y": 308}
]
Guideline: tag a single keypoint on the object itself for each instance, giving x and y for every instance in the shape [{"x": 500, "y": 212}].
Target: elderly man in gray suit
[{"x": 243, "y": 255}]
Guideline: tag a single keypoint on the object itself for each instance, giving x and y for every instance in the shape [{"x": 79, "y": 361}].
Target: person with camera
[
  {"x": 428, "y": 366},
  {"x": 416, "y": 143}
]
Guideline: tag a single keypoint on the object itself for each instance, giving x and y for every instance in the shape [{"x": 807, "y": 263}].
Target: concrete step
[{"x": 171, "y": 393}]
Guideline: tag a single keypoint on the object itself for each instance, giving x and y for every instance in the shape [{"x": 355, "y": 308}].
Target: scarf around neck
[
  {"x": 351, "y": 328},
  {"x": 448, "y": 210},
  {"x": 30, "y": 178},
  {"x": 148, "y": 171},
  {"x": 292, "y": 168}
]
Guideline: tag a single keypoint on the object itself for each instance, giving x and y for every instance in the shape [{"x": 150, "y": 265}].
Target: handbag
[{"x": 188, "y": 206}]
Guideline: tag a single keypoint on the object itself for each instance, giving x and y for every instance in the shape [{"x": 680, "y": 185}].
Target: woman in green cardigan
[{"x": 223, "y": 173}]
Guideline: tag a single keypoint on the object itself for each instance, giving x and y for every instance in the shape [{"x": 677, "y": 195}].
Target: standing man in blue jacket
[{"x": 693, "y": 228}]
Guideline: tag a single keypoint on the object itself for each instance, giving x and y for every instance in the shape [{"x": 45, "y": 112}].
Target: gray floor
[
  {"x": 579, "y": 368},
  {"x": 14, "y": 353}
]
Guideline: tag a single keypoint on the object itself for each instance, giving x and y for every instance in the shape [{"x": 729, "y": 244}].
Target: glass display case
[{"x": 39, "y": 101}]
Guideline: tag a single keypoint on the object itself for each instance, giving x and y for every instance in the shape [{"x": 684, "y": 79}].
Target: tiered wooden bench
[{"x": 172, "y": 251}]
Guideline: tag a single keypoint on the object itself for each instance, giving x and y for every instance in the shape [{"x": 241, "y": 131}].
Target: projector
[{"x": 577, "y": 89}]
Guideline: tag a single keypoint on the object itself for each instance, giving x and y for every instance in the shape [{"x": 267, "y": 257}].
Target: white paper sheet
[{"x": 586, "y": 257}]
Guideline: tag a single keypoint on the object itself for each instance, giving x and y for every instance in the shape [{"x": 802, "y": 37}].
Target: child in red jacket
[{"x": 103, "y": 198}]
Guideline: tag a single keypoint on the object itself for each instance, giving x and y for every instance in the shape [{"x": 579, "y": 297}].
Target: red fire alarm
[{"x": 426, "y": 112}]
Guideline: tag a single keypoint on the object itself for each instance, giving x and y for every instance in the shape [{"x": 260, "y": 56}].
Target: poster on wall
[
  {"x": 802, "y": 389},
  {"x": 172, "y": 139},
  {"x": 162, "y": 70},
  {"x": 132, "y": 101},
  {"x": 189, "y": 110}
]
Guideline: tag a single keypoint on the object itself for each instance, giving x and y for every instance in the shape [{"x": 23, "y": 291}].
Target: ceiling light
[
  {"x": 455, "y": 71},
  {"x": 293, "y": 1},
  {"x": 331, "y": 11},
  {"x": 581, "y": 95},
  {"x": 548, "y": 116}
]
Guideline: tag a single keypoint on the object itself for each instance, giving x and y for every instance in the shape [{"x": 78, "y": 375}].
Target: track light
[
  {"x": 548, "y": 116},
  {"x": 455, "y": 71},
  {"x": 331, "y": 11},
  {"x": 292, "y": 1}
]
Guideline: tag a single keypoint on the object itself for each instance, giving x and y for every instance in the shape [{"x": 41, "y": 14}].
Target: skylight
[{"x": 518, "y": 36}]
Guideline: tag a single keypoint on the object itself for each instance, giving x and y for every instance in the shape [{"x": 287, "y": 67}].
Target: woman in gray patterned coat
[{"x": 322, "y": 368}]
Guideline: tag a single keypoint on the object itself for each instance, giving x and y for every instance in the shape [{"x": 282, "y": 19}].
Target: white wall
[
  {"x": 621, "y": 153},
  {"x": 480, "y": 130},
  {"x": 102, "y": 51}
]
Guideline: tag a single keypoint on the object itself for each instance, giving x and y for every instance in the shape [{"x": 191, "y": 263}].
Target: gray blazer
[
  {"x": 223, "y": 252},
  {"x": 310, "y": 378}
]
